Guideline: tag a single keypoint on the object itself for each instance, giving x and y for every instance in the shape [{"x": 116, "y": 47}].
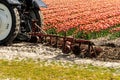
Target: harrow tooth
[
  {"x": 98, "y": 50},
  {"x": 50, "y": 41},
  {"x": 34, "y": 39},
  {"x": 56, "y": 42},
  {"x": 45, "y": 39},
  {"x": 66, "y": 49},
  {"x": 89, "y": 50},
  {"x": 76, "y": 49}
]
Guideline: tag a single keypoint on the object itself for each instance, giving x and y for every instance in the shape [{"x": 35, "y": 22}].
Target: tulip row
[
  {"x": 84, "y": 15},
  {"x": 115, "y": 30}
]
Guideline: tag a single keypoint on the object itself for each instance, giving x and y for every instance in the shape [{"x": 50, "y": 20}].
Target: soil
[
  {"x": 109, "y": 57},
  {"x": 111, "y": 49}
]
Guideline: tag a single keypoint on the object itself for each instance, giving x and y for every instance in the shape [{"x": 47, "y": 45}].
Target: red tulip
[{"x": 89, "y": 16}]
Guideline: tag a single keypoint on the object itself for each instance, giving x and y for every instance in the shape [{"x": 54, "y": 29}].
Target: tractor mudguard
[
  {"x": 13, "y": 2},
  {"x": 39, "y": 3}
]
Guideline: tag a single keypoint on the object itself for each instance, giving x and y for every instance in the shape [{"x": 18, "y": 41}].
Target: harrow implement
[{"x": 84, "y": 48}]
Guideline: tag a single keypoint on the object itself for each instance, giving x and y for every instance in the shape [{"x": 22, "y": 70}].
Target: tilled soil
[
  {"x": 110, "y": 54},
  {"x": 109, "y": 57},
  {"x": 111, "y": 49}
]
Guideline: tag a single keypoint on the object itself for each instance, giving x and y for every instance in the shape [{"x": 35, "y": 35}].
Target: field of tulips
[{"x": 83, "y": 15}]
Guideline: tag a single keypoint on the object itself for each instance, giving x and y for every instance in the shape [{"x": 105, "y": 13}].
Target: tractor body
[{"x": 16, "y": 18}]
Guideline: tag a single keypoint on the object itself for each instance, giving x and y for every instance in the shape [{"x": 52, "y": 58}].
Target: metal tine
[
  {"x": 94, "y": 50},
  {"x": 56, "y": 41},
  {"x": 79, "y": 44},
  {"x": 89, "y": 49},
  {"x": 45, "y": 39},
  {"x": 64, "y": 40}
]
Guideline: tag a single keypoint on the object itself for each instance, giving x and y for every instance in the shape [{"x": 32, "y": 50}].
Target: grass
[
  {"x": 31, "y": 70},
  {"x": 114, "y": 35},
  {"x": 102, "y": 33}
]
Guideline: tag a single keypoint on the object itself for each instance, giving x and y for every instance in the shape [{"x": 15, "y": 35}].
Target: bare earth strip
[{"x": 39, "y": 52}]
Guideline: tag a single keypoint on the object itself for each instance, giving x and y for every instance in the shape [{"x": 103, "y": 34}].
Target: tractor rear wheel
[{"x": 9, "y": 23}]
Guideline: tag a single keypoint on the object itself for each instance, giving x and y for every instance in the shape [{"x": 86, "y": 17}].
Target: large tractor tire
[
  {"x": 34, "y": 14},
  {"x": 9, "y": 23}
]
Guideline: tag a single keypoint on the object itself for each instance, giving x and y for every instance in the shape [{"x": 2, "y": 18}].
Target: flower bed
[{"x": 84, "y": 16}]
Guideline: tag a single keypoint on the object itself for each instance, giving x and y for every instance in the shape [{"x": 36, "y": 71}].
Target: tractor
[{"x": 16, "y": 19}]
